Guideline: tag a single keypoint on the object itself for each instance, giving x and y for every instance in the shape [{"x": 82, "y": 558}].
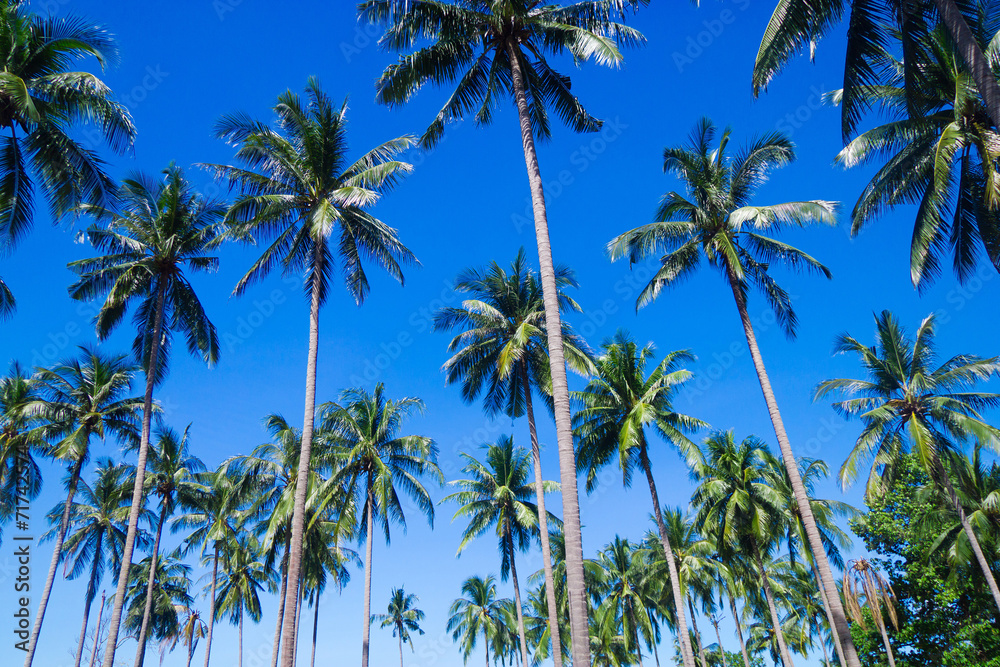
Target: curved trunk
[
  {"x": 92, "y": 586},
  {"x": 687, "y": 654},
  {"x": 786, "y": 657},
  {"x": 579, "y": 629},
  {"x": 54, "y": 563},
  {"x": 718, "y": 638},
  {"x": 281, "y": 603},
  {"x": 543, "y": 527},
  {"x": 211, "y": 605},
  {"x": 697, "y": 634},
  {"x": 836, "y": 610},
  {"x": 288, "y": 642},
  {"x": 140, "y": 653},
  {"x": 312, "y": 659},
  {"x": 370, "y": 526},
  {"x": 739, "y": 629},
  {"x": 973, "y": 55},
  {"x": 517, "y": 600},
  {"x": 97, "y": 632},
  {"x": 140, "y": 479}
]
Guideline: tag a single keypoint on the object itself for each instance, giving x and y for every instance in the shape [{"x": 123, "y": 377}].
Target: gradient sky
[{"x": 466, "y": 204}]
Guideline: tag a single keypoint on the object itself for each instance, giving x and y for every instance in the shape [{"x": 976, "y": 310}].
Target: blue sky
[{"x": 466, "y": 204}]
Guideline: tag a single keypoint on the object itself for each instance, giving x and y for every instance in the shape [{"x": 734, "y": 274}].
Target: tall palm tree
[
  {"x": 99, "y": 521},
  {"x": 616, "y": 408},
  {"x": 627, "y": 594},
  {"x": 173, "y": 478},
  {"x": 377, "y": 463},
  {"x": 905, "y": 402},
  {"x": 865, "y": 588},
  {"x": 499, "y": 50},
  {"x": 402, "y": 616},
  {"x": 501, "y": 353},
  {"x": 171, "y": 591},
  {"x": 244, "y": 577},
  {"x": 301, "y": 195},
  {"x": 479, "y": 612},
  {"x": 20, "y": 476},
  {"x": 737, "y": 504},
  {"x": 78, "y": 400},
  {"x": 496, "y": 495},
  {"x": 42, "y": 99},
  {"x": 161, "y": 230},
  {"x": 717, "y": 219}
]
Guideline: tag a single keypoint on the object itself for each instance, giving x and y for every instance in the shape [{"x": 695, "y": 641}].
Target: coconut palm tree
[
  {"x": 864, "y": 588},
  {"x": 501, "y": 353},
  {"x": 906, "y": 403},
  {"x": 402, "y": 616},
  {"x": 244, "y": 577},
  {"x": 496, "y": 494},
  {"x": 192, "y": 629},
  {"x": 478, "y": 613},
  {"x": 20, "y": 476},
  {"x": 78, "y": 400},
  {"x": 377, "y": 462},
  {"x": 42, "y": 99},
  {"x": 171, "y": 591},
  {"x": 737, "y": 504},
  {"x": 173, "y": 474},
  {"x": 628, "y": 596},
  {"x": 718, "y": 221},
  {"x": 616, "y": 408},
  {"x": 495, "y": 51},
  {"x": 160, "y": 231},
  {"x": 301, "y": 196}
]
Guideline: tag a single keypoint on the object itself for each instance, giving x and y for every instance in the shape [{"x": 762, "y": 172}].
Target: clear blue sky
[{"x": 185, "y": 63}]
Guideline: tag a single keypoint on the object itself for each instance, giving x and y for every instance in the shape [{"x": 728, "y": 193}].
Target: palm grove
[{"x": 293, "y": 518}]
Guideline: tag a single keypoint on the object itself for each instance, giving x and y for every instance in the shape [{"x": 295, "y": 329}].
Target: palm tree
[
  {"x": 172, "y": 477},
  {"x": 737, "y": 504},
  {"x": 628, "y": 596},
  {"x": 79, "y": 399},
  {"x": 493, "y": 51},
  {"x": 501, "y": 353},
  {"x": 865, "y": 587},
  {"x": 20, "y": 476},
  {"x": 480, "y": 612},
  {"x": 617, "y": 406},
  {"x": 299, "y": 193},
  {"x": 402, "y": 616},
  {"x": 906, "y": 403},
  {"x": 376, "y": 461},
  {"x": 160, "y": 230},
  {"x": 171, "y": 591},
  {"x": 191, "y": 630},
  {"x": 244, "y": 576},
  {"x": 41, "y": 99},
  {"x": 496, "y": 494},
  {"x": 710, "y": 221},
  {"x": 99, "y": 519}
]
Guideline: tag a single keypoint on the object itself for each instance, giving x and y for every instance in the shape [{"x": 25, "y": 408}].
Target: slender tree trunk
[
  {"x": 543, "y": 527},
  {"x": 281, "y": 604},
  {"x": 211, "y": 605},
  {"x": 829, "y": 616},
  {"x": 579, "y": 629},
  {"x": 288, "y": 643},
  {"x": 739, "y": 631},
  {"x": 486, "y": 645},
  {"x": 239, "y": 655},
  {"x": 298, "y": 619},
  {"x": 97, "y": 632},
  {"x": 140, "y": 652},
  {"x": 140, "y": 479},
  {"x": 400, "y": 649},
  {"x": 836, "y": 611},
  {"x": 826, "y": 656},
  {"x": 888, "y": 646},
  {"x": 370, "y": 526},
  {"x": 638, "y": 644},
  {"x": 687, "y": 654},
  {"x": 54, "y": 563},
  {"x": 718, "y": 638},
  {"x": 786, "y": 657},
  {"x": 190, "y": 653},
  {"x": 517, "y": 599},
  {"x": 89, "y": 598},
  {"x": 697, "y": 634},
  {"x": 312, "y": 659},
  {"x": 973, "y": 55}
]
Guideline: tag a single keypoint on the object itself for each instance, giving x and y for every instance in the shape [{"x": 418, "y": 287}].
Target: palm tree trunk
[
  {"x": 697, "y": 634},
  {"x": 54, "y": 563},
  {"x": 739, "y": 630},
  {"x": 836, "y": 611},
  {"x": 888, "y": 646},
  {"x": 370, "y": 527},
  {"x": 826, "y": 606},
  {"x": 302, "y": 476},
  {"x": 973, "y": 55},
  {"x": 190, "y": 655},
  {"x": 543, "y": 525},
  {"x": 312, "y": 659},
  {"x": 140, "y": 479},
  {"x": 517, "y": 599},
  {"x": 579, "y": 629},
  {"x": 97, "y": 632},
  {"x": 826, "y": 656},
  {"x": 211, "y": 605},
  {"x": 718, "y": 638},
  {"x": 281, "y": 604},
  {"x": 91, "y": 586},
  {"x": 786, "y": 657},
  {"x": 687, "y": 654},
  {"x": 239, "y": 655},
  {"x": 298, "y": 618},
  {"x": 486, "y": 645},
  {"x": 400, "y": 649},
  {"x": 140, "y": 653}
]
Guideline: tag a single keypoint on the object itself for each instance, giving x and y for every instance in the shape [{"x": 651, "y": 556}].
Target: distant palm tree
[
  {"x": 479, "y": 613},
  {"x": 905, "y": 403},
  {"x": 78, "y": 400},
  {"x": 716, "y": 220},
  {"x": 299, "y": 192},
  {"x": 20, "y": 476},
  {"x": 376, "y": 461},
  {"x": 501, "y": 352},
  {"x": 498, "y": 51},
  {"x": 865, "y": 587},
  {"x": 171, "y": 590},
  {"x": 244, "y": 577},
  {"x": 402, "y": 616},
  {"x": 191, "y": 630},
  {"x": 628, "y": 595},
  {"x": 616, "y": 408},
  {"x": 161, "y": 230}
]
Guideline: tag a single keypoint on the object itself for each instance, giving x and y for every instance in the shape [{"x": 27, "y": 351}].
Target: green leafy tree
[
  {"x": 171, "y": 590},
  {"x": 402, "y": 616},
  {"x": 628, "y": 597},
  {"x": 244, "y": 578},
  {"x": 191, "y": 630},
  {"x": 20, "y": 442},
  {"x": 478, "y": 613}
]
